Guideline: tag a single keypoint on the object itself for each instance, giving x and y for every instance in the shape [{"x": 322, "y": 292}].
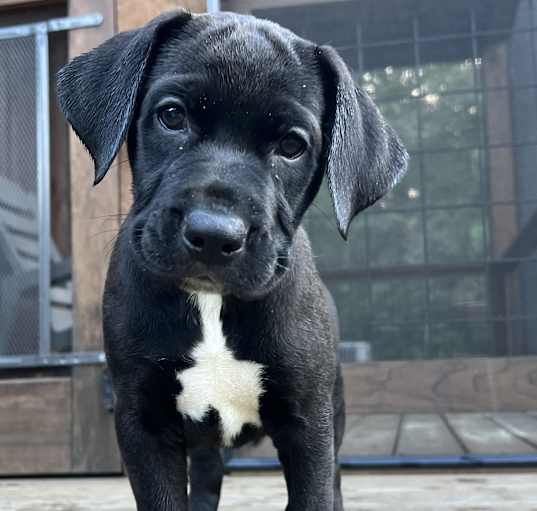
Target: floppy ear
[
  {"x": 364, "y": 157},
  {"x": 97, "y": 91}
]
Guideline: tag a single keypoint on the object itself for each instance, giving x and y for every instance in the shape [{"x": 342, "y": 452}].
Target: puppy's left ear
[
  {"x": 97, "y": 91},
  {"x": 364, "y": 158}
]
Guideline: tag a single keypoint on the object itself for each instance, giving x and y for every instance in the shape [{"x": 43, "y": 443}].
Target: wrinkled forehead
[{"x": 244, "y": 59}]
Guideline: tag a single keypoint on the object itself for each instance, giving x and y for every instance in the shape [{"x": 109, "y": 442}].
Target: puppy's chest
[{"x": 217, "y": 379}]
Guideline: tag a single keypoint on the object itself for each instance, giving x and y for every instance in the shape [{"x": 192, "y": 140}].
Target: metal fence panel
[
  {"x": 19, "y": 227},
  {"x": 26, "y": 249}
]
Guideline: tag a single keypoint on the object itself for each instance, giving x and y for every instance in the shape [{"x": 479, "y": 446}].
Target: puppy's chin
[
  {"x": 241, "y": 290},
  {"x": 201, "y": 285},
  {"x": 255, "y": 286},
  {"x": 245, "y": 286}
]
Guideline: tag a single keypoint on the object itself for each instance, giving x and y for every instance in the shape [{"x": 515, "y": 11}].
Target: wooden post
[
  {"x": 94, "y": 447},
  {"x": 504, "y": 289}
]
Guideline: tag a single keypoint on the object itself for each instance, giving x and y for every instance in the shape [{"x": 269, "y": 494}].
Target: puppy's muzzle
[{"x": 213, "y": 238}]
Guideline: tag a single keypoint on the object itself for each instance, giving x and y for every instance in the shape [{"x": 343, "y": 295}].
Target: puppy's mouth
[
  {"x": 148, "y": 257},
  {"x": 250, "y": 277}
]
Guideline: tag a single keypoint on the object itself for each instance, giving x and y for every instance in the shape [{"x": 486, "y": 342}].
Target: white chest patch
[{"x": 217, "y": 379}]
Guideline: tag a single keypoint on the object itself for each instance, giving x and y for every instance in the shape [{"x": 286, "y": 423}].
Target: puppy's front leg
[
  {"x": 307, "y": 455},
  {"x": 155, "y": 458}
]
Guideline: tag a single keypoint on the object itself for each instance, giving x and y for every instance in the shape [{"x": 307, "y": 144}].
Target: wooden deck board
[
  {"x": 370, "y": 435},
  {"x": 426, "y": 434},
  {"x": 481, "y": 435},
  {"x": 521, "y": 425}
]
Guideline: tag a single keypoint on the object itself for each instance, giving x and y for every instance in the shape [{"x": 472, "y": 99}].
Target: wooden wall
[
  {"x": 442, "y": 386},
  {"x": 35, "y": 425}
]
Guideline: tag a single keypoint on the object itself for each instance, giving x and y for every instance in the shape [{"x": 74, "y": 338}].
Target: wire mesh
[
  {"x": 447, "y": 260},
  {"x": 19, "y": 236}
]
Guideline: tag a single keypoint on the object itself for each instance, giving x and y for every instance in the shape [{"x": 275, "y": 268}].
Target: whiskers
[
  {"x": 114, "y": 230},
  {"x": 119, "y": 164}
]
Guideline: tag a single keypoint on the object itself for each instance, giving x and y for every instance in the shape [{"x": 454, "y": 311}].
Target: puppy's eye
[
  {"x": 292, "y": 146},
  {"x": 173, "y": 117}
]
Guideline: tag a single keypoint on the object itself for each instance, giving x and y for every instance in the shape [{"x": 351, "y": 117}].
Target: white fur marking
[{"x": 217, "y": 379}]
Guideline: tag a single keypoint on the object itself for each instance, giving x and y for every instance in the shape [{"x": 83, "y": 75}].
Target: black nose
[{"x": 214, "y": 237}]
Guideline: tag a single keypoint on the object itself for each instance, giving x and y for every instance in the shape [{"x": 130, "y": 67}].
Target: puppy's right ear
[
  {"x": 97, "y": 91},
  {"x": 364, "y": 158}
]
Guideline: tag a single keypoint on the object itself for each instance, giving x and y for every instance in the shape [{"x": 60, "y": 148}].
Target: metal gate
[{"x": 29, "y": 260}]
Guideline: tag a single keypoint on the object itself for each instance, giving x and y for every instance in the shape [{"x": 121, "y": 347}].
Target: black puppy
[{"x": 217, "y": 326}]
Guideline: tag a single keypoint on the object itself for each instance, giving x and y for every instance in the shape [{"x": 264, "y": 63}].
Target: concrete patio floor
[{"x": 462, "y": 491}]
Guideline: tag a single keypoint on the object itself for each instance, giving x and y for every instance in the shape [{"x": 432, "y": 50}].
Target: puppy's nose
[{"x": 214, "y": 237}]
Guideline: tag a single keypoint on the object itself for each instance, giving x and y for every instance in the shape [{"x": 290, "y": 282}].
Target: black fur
[{"x": 244, "y": 84}]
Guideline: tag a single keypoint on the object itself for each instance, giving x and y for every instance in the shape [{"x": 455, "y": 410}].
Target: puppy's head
[{"x": 231, "y": 123}]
